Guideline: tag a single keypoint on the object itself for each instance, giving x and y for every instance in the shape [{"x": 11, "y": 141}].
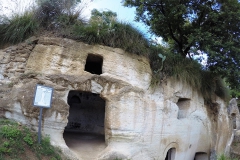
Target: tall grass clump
[
  {"x": 60, "y": 15},
  {"x": 110, "y": 32},
  {"x": 17, "y": 28}
]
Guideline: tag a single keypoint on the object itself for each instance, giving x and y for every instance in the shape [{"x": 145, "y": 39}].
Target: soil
[{"x": 85, "y": 145}]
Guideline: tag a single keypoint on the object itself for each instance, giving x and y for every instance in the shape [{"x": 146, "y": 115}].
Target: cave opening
[
  {"x": 183, "y": 105},
  {"x": 85, "y": 131},
  {"x": 94, "y": 64},
  {"x": 171, "y": 154},
  {"x": 201, "y": 156}
]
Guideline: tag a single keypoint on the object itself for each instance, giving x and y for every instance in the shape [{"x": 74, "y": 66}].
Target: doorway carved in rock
[{"x": 85, "y": 131}]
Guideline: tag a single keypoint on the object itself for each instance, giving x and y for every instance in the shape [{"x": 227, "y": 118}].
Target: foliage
[
  {"x": 53, "y": 14},
  {"x": 190, "y": 27},
  {"x": 63, "y": 5},
  {"x": 10, "y": 132},
  {"x": 104, "y": 29},
  {"x": 16, "y": 139},
  {"x": 49, "y": 15},
  {"x": 17, "y": 28},
  {"x": 223, "y": 157},
  {"x": 188, "y": 71}
]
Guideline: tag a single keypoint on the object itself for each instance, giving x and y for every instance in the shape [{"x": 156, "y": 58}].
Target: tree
[
  {"x": 211, "y": 27},
  {"x": 105, "y": 16},
  {"x": 65, "y": 5}
]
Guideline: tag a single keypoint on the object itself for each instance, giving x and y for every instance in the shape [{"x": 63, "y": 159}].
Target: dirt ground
[{"x": 85, "y": 146}]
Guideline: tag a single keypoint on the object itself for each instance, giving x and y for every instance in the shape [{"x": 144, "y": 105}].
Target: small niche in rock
[
  {"x": 171, "y": 154},
  {"x": 183, "y": 105},
  {"x": 233, "y": 117},
  {"x": 94, "y": 64},
  {"x": 85, "y": 132},
  {"x": 201, "y": 156}
]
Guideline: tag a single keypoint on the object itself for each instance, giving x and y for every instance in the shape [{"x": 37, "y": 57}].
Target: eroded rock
[{"x": 138, "y": 122}]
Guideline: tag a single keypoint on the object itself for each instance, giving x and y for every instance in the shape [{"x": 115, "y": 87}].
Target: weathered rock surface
[{"x": 140, "y": 123}]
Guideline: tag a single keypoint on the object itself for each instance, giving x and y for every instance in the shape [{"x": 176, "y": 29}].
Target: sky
[{"x": 124, "y": 14}]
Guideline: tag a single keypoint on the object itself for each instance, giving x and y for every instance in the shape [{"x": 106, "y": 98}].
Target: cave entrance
[
  {"x": 84, "y": 133},
  {"x": 94, "y": 64},
  {"x": 171, "y": 154},
  {"x": 201, "y": 156},
  {"x": 183, "y": 105}
]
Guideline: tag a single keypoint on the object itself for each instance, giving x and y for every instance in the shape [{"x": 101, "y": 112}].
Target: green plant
[
  {"x": 6, "y": 144},
  {"x": 28, "y": 139},
  {"x": 15, "y": 139},
  {"x": 187, "y": 71},
  {"x": 223, "y": 157},
  {"x": 17, "y": 28},
  {"x": 10, "y": 132},
  {"x": 181, "y": 24},
  {"x": 103, "y": 28},
  {"x": 46, "y": 149},
  {"x": 5, "y": 150}
]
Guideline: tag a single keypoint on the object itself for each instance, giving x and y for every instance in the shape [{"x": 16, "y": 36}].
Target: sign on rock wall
[{"x": 42, "y": 99}]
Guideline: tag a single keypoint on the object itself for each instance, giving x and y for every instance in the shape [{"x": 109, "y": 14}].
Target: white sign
[{"x": 43, "y": 96}]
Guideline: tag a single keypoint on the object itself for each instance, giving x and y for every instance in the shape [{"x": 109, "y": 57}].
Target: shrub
[
  {"x": 17, "y": 28},
  {"x": 52, "y": 14},
  {"x": 115, "y": 34},
  {"x": 187, "y": 71},
  {"x": 48, "y": 12}
]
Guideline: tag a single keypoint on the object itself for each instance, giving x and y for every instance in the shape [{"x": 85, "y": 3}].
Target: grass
[
  {"x": 113, "y": 34},
  {"x": 17, "y": 28},
  {"x": 187, "y": 71},
  {"x": 18, "y": 142},
  {"x": 223, "y": 157}
]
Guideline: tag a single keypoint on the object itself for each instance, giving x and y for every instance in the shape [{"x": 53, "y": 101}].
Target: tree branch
[{"x": 176, "y": 40}]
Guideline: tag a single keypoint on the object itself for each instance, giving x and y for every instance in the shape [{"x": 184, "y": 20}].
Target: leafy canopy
[{"x": 191, "y": 27}]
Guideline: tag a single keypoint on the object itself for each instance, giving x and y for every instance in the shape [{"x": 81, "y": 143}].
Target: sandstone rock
[
  {"x": 106, "y": 91},
  {"x": 19, "y": 59},
  {"x": 1, "y": 77}
]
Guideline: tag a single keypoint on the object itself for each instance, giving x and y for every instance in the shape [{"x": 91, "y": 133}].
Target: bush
[
  {"x": 187, "y": 71},
  {"x": 115, "y": 34},
  {"x": 17, "y": 28},
  {"x": 52, "y": 14},
  {"x": 47, "y": 13}
]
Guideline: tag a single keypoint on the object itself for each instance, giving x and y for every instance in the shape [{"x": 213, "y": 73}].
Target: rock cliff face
[{"x": 105, "y": 91}]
